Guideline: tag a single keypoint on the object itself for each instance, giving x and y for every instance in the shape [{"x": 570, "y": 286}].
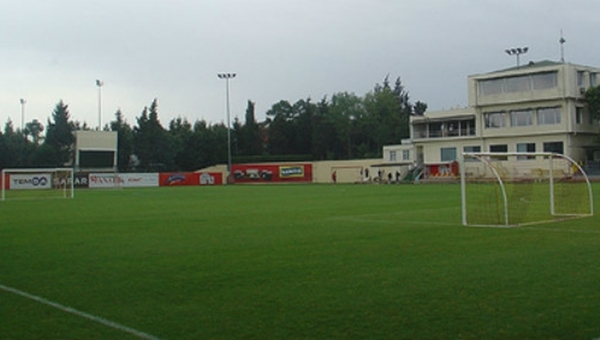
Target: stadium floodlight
[
  {"x": 22, "y": 101},
  {"x": 517, "y": 52},
  {"x": 510, "y": 189},
  {"x": 99, "y": 83},
  {"x": 228, "y": 76}
]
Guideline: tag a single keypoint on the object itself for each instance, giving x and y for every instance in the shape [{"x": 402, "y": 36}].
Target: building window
[
  {"x": 405, "y": 155},
  {"x": 525, "y": 147},
  {"x": 495, "y": 119},
  {"x": 579, "y": 115},
  {"x": 448, "y": 154},
  {"x": 472, "y": 149},
  {"x": 521, "y": 118},
  {"x": 392, "y": 156},
  {"x": 499, "y": 148},
  {"x": 556, "y": 147},
  {"x": 538, "y": 81},
  {"x": 579, "y": 78},
  {"x": 517, "y": 84},
  {"x": 490, "y": 87},
  {"x": 548, "y": 116},
  {"x": 593, "y": 79},
  {"x": 544, "y": 81}
]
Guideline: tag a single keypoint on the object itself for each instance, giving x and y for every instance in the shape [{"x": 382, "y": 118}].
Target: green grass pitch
[{"x": 292, "y": 262}]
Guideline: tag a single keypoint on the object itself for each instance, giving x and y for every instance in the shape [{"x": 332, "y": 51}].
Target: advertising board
[
  {"x": 190, "y": 178},
  {"x": 30, "y": 181},
  {"x": 125, "y": 180},
  {"x": 272, "y": 173}
]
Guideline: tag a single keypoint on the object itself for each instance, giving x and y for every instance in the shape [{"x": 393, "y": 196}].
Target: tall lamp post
[
  {"x": 517, "y": 52},
  {"x": 99, "y": 83},
  {"x": 22, "y": 101},
  {"x": 228, "y": 76}
]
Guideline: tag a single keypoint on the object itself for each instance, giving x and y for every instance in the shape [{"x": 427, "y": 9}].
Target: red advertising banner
[
  {"x": 278, "y": 173},
  {"x": 190, "y": 178},
  {"x": 444, "y": 170}
]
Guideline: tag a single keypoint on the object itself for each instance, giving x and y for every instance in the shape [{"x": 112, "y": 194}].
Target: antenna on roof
[{"x": 562, "y": 42}]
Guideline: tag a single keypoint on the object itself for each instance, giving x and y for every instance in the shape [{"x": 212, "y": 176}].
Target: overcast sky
[{"x": 52, "y": 50}]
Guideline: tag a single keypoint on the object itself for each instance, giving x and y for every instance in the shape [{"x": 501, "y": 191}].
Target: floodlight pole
[
  {"x": 228, "y": 76},
  {"x": 517, "y": 52},
  {"x": 562, "y": 42},
  {"x": 99, "y": 83},
  {"x": 22, "y": 101}
]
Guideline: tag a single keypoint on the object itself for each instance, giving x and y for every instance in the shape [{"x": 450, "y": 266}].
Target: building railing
[{"x": 444, "y": 134}]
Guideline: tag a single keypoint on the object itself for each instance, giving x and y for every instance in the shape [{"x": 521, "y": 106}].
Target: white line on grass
[
  {"x": 559, "y": 230},
  {"x": 79, "y": 313},
  {"x": 366, "y": 220}
]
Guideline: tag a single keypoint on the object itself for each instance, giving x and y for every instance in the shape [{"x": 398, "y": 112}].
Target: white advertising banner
[
  {"x": 30, "y": 181},
  {"x": 133, "y": 180}
]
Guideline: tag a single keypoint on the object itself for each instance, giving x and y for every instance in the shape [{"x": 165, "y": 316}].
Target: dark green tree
[
  {"x": 592, "y": 99},
  {"x": 208, "y": 145},
  {"x": 14, "y": 147},
  {"x": 59, "y": 137},
  {"x": 323, "y": 138},
  {"x": 34, "y": 130},
  {"x": 180, "y": 132},
  {"x": 250, "y": 135},
  {"x": 419, "y": 108},
  {"x": 280, "y": 129},
  {"x": 124, "y": 141},
  {"x": 151, "y": 142},
  {"x": 345, "y": 110},
  {"x": 304, "y": 112}
]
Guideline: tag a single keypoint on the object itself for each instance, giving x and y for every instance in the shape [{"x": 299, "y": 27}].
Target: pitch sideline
[{"x": 79, "y": 313}]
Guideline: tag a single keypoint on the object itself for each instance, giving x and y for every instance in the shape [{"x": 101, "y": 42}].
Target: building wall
[{"x": 351, "y": 171}]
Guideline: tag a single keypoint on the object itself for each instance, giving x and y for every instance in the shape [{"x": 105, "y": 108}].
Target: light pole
[
  {"x": 22, "y": 101},
  {"x": 99, "y": 83},
  {"x": 517, "y": 52},
  {"x": 562, "y": 42},
  {"x": 228, "y": 76}
]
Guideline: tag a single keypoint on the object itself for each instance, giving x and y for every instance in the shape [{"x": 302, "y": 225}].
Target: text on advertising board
[
  {"x": 30, "y": 181},
  {"x": 291, "y": 171}
]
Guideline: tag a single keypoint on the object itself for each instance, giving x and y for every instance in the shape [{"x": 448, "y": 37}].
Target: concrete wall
[{"x": 347, "y": 171}]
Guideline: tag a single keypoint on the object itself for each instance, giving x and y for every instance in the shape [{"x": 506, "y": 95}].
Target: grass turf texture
[{"x": 292, "y": 262}]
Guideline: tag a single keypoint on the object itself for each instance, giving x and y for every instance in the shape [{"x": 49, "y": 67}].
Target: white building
[{"x": 537, "y": 107}]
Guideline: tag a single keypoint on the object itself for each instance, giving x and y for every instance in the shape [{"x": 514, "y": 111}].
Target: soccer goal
[
  {"x": 37, "y": 183},
  {"x": 516, "y": 189}
]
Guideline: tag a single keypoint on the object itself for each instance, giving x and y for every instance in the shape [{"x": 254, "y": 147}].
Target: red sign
[
  {"x": 444, "y": 170},
  {"x": 261, "y": 173},
  {"x": 190, "y": 178}
]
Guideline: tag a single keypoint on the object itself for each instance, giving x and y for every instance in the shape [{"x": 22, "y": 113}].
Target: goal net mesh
[
  {"x": 37, "y": 183},
  {"x": 513, "y": 189}
]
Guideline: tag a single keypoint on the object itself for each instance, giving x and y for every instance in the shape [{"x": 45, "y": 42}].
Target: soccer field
[{"x": 290, "y": 262}]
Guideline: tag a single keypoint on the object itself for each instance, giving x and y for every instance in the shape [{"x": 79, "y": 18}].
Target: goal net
[
  {"x": 515, "y": 189},
  {"x": 37, "y": 183}
]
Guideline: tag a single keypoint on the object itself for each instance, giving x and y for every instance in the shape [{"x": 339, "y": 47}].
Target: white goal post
[
  {"x": 509, "y": 189},
  {"x": 34, "y": 183}
]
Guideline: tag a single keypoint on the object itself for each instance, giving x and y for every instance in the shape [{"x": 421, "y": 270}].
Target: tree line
[{"x": 345, "y": 126}]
